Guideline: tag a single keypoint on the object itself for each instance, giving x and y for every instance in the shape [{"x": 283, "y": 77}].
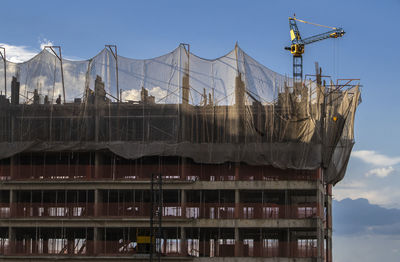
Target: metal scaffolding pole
[
  {"x": 160, "y": 214},
  {"x": 151, "y": 217},
  {"x": 59, "y": 56},
  {"x": 3, "y": 56},
  {"x": 113, "y": 50},
  {"x": 156, "y": 211}
]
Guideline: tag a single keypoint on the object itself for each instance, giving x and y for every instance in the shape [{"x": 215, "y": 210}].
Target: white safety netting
[
  {"x": 213, "y": 111},
  {"x": 162, "y": 76}
]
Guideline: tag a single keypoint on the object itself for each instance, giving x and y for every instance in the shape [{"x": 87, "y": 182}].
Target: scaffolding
[{"x": 175, "y": 156}]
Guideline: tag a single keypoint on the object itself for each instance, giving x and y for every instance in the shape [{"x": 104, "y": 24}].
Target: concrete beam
[
  {"x": 255, "y": 223},
  {"x": 144, "y": 258},
  {"x": 138, "y": 258},
  {"x": 251, "y": 259},
  {"x": 187, "y": 185},
  {"x": 86, "y": 222},
  {"x": 170, "y": 222}
]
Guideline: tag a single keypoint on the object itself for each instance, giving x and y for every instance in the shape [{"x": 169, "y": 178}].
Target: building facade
[{"x": 105, "y": 179}]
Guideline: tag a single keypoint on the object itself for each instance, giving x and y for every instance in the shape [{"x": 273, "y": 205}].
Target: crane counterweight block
[{"x": 297, "y": 49}]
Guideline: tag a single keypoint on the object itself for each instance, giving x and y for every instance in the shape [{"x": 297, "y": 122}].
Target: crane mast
[{"x": 297, "y": 45}]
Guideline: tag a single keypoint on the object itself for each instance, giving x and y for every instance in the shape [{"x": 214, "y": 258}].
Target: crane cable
[{"x": 294, "y": 18}]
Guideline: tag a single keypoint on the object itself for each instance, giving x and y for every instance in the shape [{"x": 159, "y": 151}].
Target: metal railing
[
  {"x": 143, "y": 173},
  {"x": 167, "y": 247},
  {"x": 169, "y": 210}
]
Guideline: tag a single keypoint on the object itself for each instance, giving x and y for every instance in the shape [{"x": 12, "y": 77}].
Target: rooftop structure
[{"x": 175, "y": 157}]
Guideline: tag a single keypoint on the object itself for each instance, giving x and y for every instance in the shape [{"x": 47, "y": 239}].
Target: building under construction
[{"x": 172, "y": 158}]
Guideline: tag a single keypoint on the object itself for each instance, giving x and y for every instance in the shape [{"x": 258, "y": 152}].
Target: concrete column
[
  {"x": 13, "y": 201},
  {"x": 237, "y": 203},
  {"x": 237, "y": 196},
  {"x": 288, "y": 242},
  {"x": 183, "y": 241},
  {"x": 96, "y": 240},
  {"x": 184, "y": 108},
  {"x": 70, "y": 245},
  {"x": 237, "y": 206},
  {"x": 13, "y": 167},
  {"x": 96, "y": 234},
  {"x": 237, "y": 244},
  {"x": 98, "y": 161},
  {"x": 12, "y": 239},
  {"x": 11, "y": 234},
  {"x": 98, "y": 205},
  {"x": 13, "y": 196},
  {"x": 240, "y": 92},
  {"x": 12, "y": 128},
  {"x": 96, "y": 123},
  {"x": 320, "y": 225},
  {"x": 286, "y": 209},
  {"x": 98, "y": 202},
  {"x": 99, "y": 101},
  {"x": 185, "y": 89},
  {"x": 183, "y": 168},
  {"x": 328, "y": 229},
  {"x": 328, "y": 204},
  {"x": 183, "y": 233},
  {"x": 237, "y": 173},
  {"x": 45, "y": 244},
  {"x": 328, "y": 236},
  {"x": 183, "y": 203}
]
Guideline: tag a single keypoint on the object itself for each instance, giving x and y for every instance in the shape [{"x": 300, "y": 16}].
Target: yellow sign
[{"x": 144, "y": 239}]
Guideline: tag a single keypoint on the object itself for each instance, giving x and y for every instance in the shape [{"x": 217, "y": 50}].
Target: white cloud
[
  {"x": 132, "y": 95},
  {"x": 386, "y": 196},
  {"x": 374, "y": 158},
  {"x": 45, "y": 42},
  {"x": 352, "y": 184},
  {"x": 364, "y": 179},
  {"x": 158, "y": 93},
  {"x": 18, "y": 54},
  {"x": 380, "y": 172}
]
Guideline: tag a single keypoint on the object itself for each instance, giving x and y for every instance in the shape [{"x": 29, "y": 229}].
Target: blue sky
[{"x": 145, "y": 29}]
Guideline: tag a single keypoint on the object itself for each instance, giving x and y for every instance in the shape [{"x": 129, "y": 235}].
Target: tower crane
[{"x": 298, "y": 43}]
